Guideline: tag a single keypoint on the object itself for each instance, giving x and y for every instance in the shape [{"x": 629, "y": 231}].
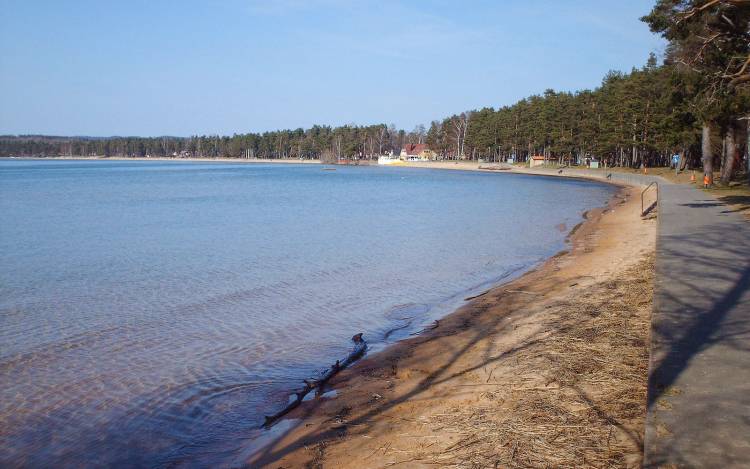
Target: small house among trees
[
  {"x": 417, "y": 151},
  {"x": 541, "y": 160}
]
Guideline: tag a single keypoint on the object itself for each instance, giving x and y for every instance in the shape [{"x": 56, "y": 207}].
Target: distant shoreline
[
  {"x": 618, "y": 178},
  {"x": 462, "y": 165},
  {"x": 162, "y": 158}
]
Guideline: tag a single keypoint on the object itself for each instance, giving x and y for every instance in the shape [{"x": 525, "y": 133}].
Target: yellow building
[{"x": 417, "y": 151}]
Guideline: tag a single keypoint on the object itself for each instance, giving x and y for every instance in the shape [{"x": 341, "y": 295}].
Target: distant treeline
[
  {"x": 641, "y": 117},
  {"x": 697, "y": 104},
  {"x": 313, "y": 143}
]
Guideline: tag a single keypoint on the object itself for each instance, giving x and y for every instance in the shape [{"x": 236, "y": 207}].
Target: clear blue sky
[{"x": 182, "y": 67}]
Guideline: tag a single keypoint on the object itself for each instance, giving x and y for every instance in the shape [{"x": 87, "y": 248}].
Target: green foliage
[
  {"x": 346, "y": 142},
  {"x": 631, "y": 119},
  {"x": 709, "y": 44}
]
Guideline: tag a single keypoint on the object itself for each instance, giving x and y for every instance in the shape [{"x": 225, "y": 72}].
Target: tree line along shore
[{"x": 695, "y": 104}]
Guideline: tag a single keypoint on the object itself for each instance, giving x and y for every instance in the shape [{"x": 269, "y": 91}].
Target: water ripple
[{"x": 150, "y": 314}]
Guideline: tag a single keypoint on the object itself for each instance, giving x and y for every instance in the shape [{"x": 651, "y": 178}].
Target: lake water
[{"x": 152, "y": 312}]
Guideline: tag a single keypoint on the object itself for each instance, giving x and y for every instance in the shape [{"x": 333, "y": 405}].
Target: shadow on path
[{"x": 699, "y": 381}]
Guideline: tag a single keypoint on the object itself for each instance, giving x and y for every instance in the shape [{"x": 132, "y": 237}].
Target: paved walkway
[
  {"x": 699, "y": 382},
  {"x": 699, "y": 379},
  {"x": 637, "y": 179}
]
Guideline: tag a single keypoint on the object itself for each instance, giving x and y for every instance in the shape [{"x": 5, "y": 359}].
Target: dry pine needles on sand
[{"x": 581, "y": 400}]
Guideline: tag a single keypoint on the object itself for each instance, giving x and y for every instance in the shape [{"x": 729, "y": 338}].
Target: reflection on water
[{"x": 151, "y": 313}]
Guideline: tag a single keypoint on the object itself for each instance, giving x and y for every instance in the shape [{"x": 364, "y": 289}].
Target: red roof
[{"x": 415, "y": 148}]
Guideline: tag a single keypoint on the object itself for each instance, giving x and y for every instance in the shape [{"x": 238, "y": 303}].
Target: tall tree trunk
[
  {"x": 730, "y": 155},
  {"x": 723, "y": 155},
  {"x": 683, "y": 160},
  {"x": 706, "y": 153}
]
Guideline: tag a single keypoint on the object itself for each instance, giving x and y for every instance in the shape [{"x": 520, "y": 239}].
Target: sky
[{"x": 184, "y": 67}]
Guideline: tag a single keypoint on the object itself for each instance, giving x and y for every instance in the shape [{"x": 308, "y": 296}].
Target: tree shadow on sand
[
  {"x": 566, "y": 326},
  {"x": 365, "y": 421}
]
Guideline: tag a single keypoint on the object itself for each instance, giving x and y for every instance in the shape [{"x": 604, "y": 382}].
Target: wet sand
[{"x": 547, "y": 370}]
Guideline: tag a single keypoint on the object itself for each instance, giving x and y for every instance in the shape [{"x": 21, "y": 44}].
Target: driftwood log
[{"x": 360, "y": 347}]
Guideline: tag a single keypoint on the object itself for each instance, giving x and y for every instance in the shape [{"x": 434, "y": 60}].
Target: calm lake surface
[{"x": 152, "y": 312}]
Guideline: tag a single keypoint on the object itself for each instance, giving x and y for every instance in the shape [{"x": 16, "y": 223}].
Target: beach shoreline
[
  {"x": 403, "y": 390},
  {"x": 167, "y": 159},
  {"x": 410, "y": 387}
]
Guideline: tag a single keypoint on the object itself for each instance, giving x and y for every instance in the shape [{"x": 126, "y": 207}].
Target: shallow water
[{"x": 152, "y": 312}]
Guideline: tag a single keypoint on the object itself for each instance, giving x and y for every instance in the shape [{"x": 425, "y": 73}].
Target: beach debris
[
  {"x": 432, "y": 326},
  {"x": 522, "y": 291},
  {"x": 496, "y": 167},
  {"x": 477, "y": 296},
  {"x": 359, "y": 349}
]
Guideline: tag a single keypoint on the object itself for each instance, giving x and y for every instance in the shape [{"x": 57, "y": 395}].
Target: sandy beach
[{"x": 547, "y": 370}]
